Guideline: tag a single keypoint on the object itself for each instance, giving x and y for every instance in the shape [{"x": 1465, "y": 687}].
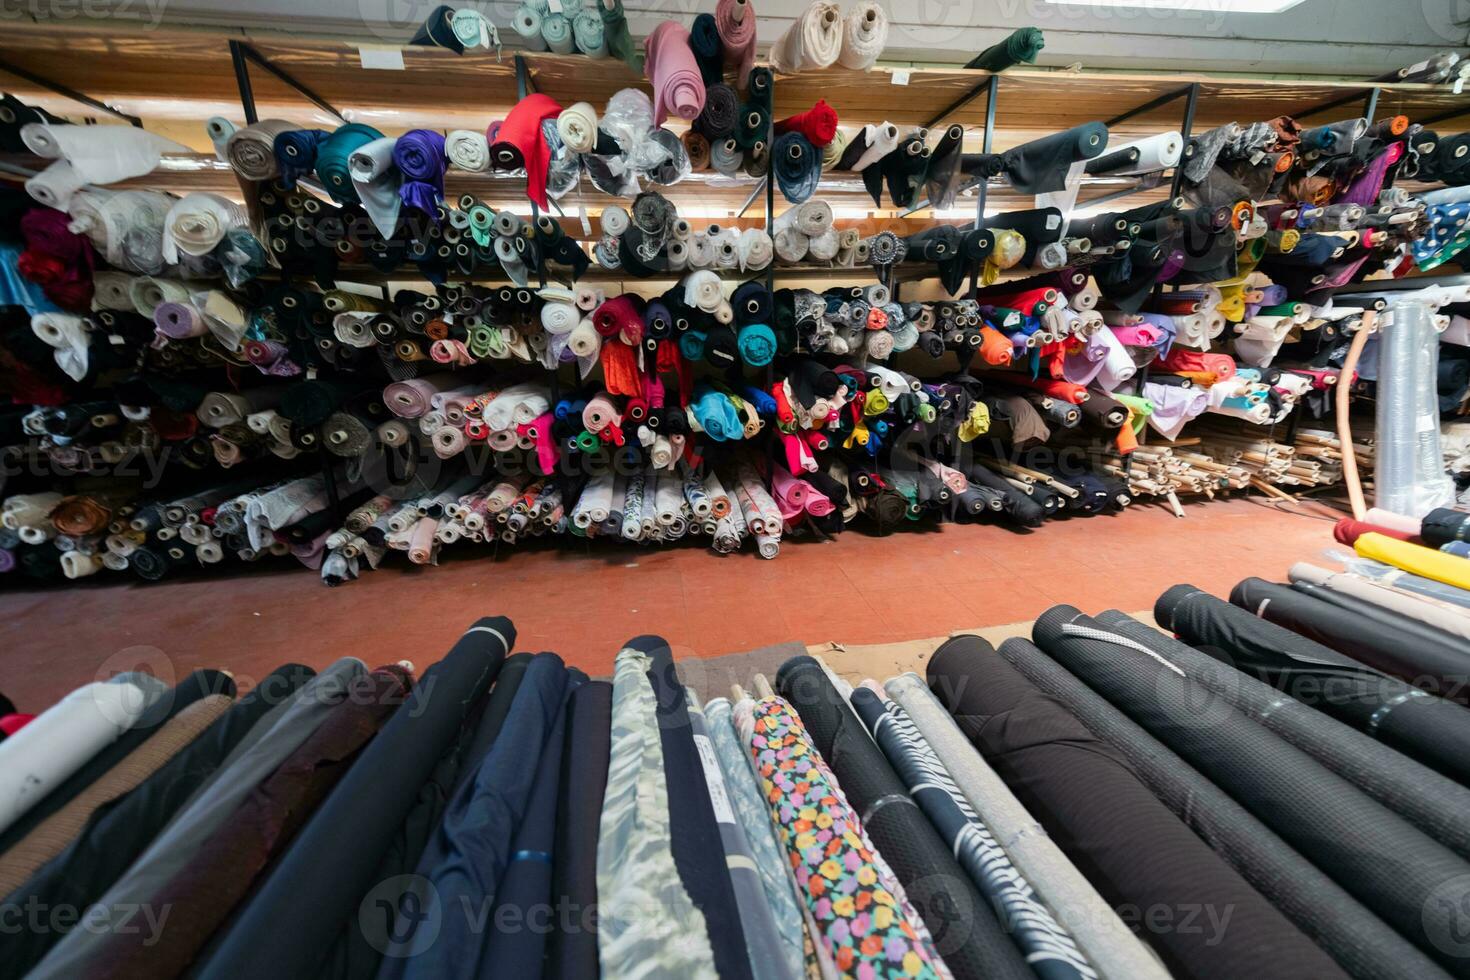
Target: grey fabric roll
[
  {"x": 762, "y": 943},
  {"x": 1438, "y": 806},
  {"x": 1353, "y": 936},
  {"x": 1413, "y": 882},
  {"x": 1115, "y": 952},
  {"x": 267, "y": 745}
]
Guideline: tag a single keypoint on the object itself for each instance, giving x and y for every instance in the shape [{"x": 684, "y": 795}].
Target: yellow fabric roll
[{"x": 1442, "y": 567}]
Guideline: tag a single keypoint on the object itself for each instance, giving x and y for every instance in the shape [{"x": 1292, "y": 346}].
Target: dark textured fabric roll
[
  {"x": 1411, "y": 630},
  {"x": 963, "y": 925},
  {"x": 497, "y": 707},
  {"x": 695, "y": 841},
  {"x": 517, "y": 945},
  {"x": 1388, "y": 864},
  {"x": 199, "y": 684},
  {"x": 120, "y": 830},
  {"x": 1438, "y": 806},
  {"x": 1443, "y": 525},
  {"x": 1101, "y": 814},
  {"x": 571, "y": 952},
  {"x": 319, "y": 884},
  {"x": 718, "y": 117},
  {"x": 1108, "y": 162},
  {"x": 1040, "y": 167},
  {"x": 1440, "y": 667},
  {"x": 1357, "y": 939},
  {"x": 1432, "y": 730}
]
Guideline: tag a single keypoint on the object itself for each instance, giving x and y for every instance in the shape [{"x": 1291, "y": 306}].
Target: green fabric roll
[
  {"x": 1021, "y": 47},
  {"x": 615, "y": 34},
  {"x": 331, "y": 159}
]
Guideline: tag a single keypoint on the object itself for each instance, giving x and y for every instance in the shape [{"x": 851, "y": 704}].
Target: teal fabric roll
[
  {"x": 331, "y": 159},
  {"x": 590, "y": 33},
  {"x": 619, "y": 41},
  {"x": 717, "y": 417},
  {"x": 691, "y": 344},
  {"x": 556, "y": 31},
  {"x": 757, "y": 344},
  {"x": 1022, "y": 46}
]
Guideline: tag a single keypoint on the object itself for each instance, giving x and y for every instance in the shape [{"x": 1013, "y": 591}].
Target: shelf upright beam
[
  {"x": 1463, "y": 110},
  {"x": 987, "y": 86},
  {"x": 69, "y": 93},
  {"x": 1368, "y": 95},
  {"x": 243, "y": 54},
  {"x": 1189, "y": 90},
  {"x": 986, "y": 145}
]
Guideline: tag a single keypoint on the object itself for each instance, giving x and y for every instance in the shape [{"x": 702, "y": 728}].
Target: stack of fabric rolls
[{"x": 909, "y": 827}]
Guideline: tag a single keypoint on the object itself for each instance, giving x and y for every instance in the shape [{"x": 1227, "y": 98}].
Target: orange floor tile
[{"x": 583, "y": 602}]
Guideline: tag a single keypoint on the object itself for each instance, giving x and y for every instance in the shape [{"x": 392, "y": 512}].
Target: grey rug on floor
[{"x": 711, "y": 677}]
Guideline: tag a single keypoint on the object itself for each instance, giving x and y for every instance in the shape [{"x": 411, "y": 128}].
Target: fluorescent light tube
[{"x": 1203, "y": 6}]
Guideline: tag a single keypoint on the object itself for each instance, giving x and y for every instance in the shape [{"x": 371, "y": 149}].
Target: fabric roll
[
  {"x": 864, "y": 35},
  {"x": 251, "y": 149},
  {"x": 1048, "y": 949},
  {"x": 1153, "y": 154},
  {"x": 316, "y": 889},
  {"x": 1432, "y": 661},
  {"x": 100, "y": 155},
  {"x": 636, "y": 868},
  {"x": 198, "y": 223},
  {"x": 467, "y": 150},
  {"x": 589, "y": 33},
  {"x": 527, "y": 22},
  {"x": 797, "y": 166},
  {"x": 1021, "y": 47},
  {"x": 1376, "y": 855},
  {"x": 673, "y": 72},
  {"x": 1359, "y": 941},
  {"x": 1416, "y": 559},
  {"x": 735, "y": 21},
  {"x": 577, "y": 126},
  {"x": 334, "y": 155},
  {"x": 1043, "y": 166},
  {"x": 1351, "y": 587},
  {"x": 796, "y": 779},
  {"x": 419, "y": 156},
  {"x": 121, "y": 830},
  {"x": 572, "y": 952},
  {"x": 813, "y": 41},
  {"x": 556, "y": 31},
  {"x": 61, "y": 740},
  {"x": 1085, "y": 793},
  {"x": 964, "y": 926},
  {"x": 376, "y": 181},
  {"x": 1099, "y": 932}
]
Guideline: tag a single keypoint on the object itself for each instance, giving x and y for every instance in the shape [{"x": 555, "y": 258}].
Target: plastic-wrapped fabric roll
[
  {"x": 791, "y": 245},
  {"x": 556, "y": 31},
  {"x": 1020, "y": 47},
  {"x": 952, "y": 908},
  {"x": 864, "y": 35},
  {"x": 1421, "y": 726},
  {"x": 1409, "y": 475},
  {"x": 1347, "y": 833},
  {"x": 755, "y": 249},
  {"x": 1352, "y": 935},
  {"x": 1042, "y": 166},
  {"x": 813, "y": 41},
  {"x": 1102, "y": 814},
  {"x": 527, "y": 23},
  {"x": 1434, "y": 661}
]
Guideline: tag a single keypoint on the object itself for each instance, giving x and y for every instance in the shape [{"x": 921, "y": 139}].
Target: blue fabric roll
[
  {"x": 295, "y": 152},
  {"x": 798, "y": 167},
  {"x": 757, "y": 344}
]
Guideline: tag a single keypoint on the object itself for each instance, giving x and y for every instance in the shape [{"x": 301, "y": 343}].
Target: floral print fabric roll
[{"x": 853, "y": 898}]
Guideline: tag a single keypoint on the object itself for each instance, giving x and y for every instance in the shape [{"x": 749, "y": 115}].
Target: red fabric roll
[
  {"x": 818, "y": 124},
  {"x": 11, "y": 724},
  {"x": 1347, "y": 531},
  {"x": 522, "y": 130},
  {"x": 620, "y": 369},
  {"x": 1181, "y": 359},
  {"x": 1065, "y": 390},
  {"x": 616, "y": 315}
]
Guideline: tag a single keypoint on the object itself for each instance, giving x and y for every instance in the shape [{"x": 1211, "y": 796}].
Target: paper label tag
[
  {"x": 1052, "y": 220},
  {"x": 586, "y": 225},
  {"x": 900, "y": 76},
  {"x": 1426, "y": 423},
  {"x": 724, "y": 812},
  {"x": 554, "y": 6},
  {"x": 382, "y": 58},
  {"x": 311, "y": 374},
  {"x": 115, "y": 340}
]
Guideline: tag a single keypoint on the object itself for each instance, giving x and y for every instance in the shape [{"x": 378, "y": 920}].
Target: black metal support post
[
  {"x": 69, "y": 93},
  {"x": 243, "y": 54}
]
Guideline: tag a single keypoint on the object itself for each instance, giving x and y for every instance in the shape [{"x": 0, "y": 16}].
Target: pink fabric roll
[
  {"x": 412, "y": 398},
  {"x": 789, "y": 492},
  {"x": 817, "y": 503},
  {"x": 737, "y": 36},
  {"x": 421, "y": 542},
  {"x": 547, "y": 448},
  {"x": 1142, "y": 335},
  {"x": 451, "y": 352},
  {"x": 601, "y": 411},
  {"x": 179, "y": 321},
  {"x": 678, "y": 88}
]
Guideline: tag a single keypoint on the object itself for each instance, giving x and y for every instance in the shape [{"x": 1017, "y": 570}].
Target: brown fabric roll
[
  {"x": 58, "y": 831},
  {"x": 203, "y": 895},
  {"x": 697, "y": 146},
  {"x": 81, "y": 516}
]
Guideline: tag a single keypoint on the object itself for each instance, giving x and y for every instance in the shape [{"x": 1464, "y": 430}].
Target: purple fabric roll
[
  {"x": 179, "y": 321},
  {"x": 419, "y": 155},
  {"x": 7, "y": 560},
  {"x": 1172, "y": 265}
]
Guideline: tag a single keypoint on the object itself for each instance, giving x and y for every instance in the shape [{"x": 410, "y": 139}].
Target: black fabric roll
[
  {"x": 1039, "y": 226},
  {"x": 1104, "y": 411},
  {"x": 1136, "y": 852},
  {"x": 1102, "y": 229},
  {"x": 941, "y": 176},
  {"x": 1358, "y": 940},
  {"x": 1413, "y": 630},
  {"x": 122, "y": 829},
  {"x": 1109, "y": 162},
  {"x": 1388, "y": 864},
  {"x": 317, "y": 887},
  {"x": 1040, "y": 167},
  {"x": 1439, "y": 666},
  {"x": 704, "y": 42},
  {"x": 903, "y": 171},
  {"x": 199, "y": 684},
  {"x": 966, "y": 933},
  {"x": 1443, "y": 525},
  {"x": 721, "y": 107},
  {"x": 1438, "y": 806},
  {"x": 694, "y": 836},
  {"x": 571, "y": 952},
  {"x": 492, "y": 716},
  {"x": 1432, "y": 730},
  {"x": 751, "y": 303},
  {"x": 1018, "y": 506}
]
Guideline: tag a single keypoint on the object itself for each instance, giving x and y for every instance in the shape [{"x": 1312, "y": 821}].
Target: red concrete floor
[{"x": 583, "y": 602}]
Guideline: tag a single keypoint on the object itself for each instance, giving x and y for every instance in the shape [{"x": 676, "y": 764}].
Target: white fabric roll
[
  {"x": 353, "y": 328},
  {"x": 112, "y": 291},
  {"x": 791, "y": 245},
  {"x": 823, "y": 247},
  {"x": 197, "y": 223},
  {"x": 755, "y": 249},
  {"x": 560, "y": 318},
  {"x": 577, "y": 126},
  {"x": 1155, "y": 153},
  {"x": 1118, "y": 365},
  {"x": 127, "y": 227},
  {"x": 882, "y": 139},
  {"x": 813, "y": 41},
  {"x": 467, "y": 150},
  {"x": 615, "y": 221},
  {"x": 100, "y": 154},
  {"x": 39, "y": 757},
  {"x": 219, "y": 130},
  {"x": 702, "y": 291},
  {"x": 864, "y": 34},
  {"x": 376, "y": 180},
  {"x": 55, "y": 185},
  {"x": 69, "y": 336}
]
